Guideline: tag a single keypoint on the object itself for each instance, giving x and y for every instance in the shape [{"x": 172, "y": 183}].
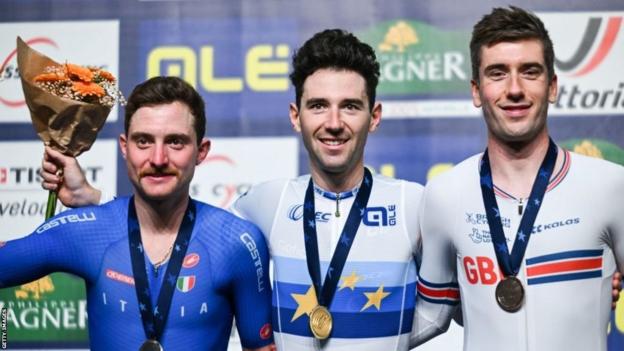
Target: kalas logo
[
  {"x": 9, "y": 69},
  {"x": 573, "y": 66}
]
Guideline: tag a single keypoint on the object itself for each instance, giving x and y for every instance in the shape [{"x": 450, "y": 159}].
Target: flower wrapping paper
[{"x": 66, "y": 125}]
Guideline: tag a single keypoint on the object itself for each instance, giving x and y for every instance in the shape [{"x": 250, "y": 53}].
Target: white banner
[
  {"x": 23, "y": 201},
  {"x": 589, "y": 50},
  {"x": 234, "y": 164},
  {"x": 87, "y": 43}
]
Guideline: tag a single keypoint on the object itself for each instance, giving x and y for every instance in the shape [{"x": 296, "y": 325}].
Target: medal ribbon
[
  {"x": 510, "y": 264},
  {"x": 154, "y": 319},
  {"x": 347, "y": 236}
]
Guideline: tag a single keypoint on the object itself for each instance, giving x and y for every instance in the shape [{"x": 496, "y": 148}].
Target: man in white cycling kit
[
  {"x": 372, "y": 302},
  {"x": 529, "y": 232}
]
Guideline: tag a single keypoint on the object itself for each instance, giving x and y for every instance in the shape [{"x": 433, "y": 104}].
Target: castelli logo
[
  {"x": 265, "y": 331},
  {"x": 191, "y": 260}
]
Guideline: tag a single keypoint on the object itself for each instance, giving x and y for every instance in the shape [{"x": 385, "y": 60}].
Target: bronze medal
[
  {"x": 151, "y": 345},
  {"x": 321, "y": 322},
  {"x": 510, "y": 294}
]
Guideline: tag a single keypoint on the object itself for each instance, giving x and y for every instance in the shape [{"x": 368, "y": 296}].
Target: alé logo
[{"x": 415, "y": 58}]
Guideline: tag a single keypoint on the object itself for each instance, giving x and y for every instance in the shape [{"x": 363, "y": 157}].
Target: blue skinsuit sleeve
[
  {"x": 252, "y": 289},
  {"x": 55, "y": 246}
]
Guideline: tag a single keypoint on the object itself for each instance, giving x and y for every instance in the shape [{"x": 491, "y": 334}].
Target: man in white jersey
[
  {"x": 551, "y": 292},
  {"x": 335, "y": 77}
]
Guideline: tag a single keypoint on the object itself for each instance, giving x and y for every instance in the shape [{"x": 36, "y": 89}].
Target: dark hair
[
  {"x": 166, "y": 90},
  {"x": 335, "y": 49},
  {"x": 508, "y": 25}
]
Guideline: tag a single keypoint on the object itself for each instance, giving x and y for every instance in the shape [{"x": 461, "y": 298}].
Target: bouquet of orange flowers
[
  {"x": 88, "y": 84},
  {"x": 68, "y": 103}
]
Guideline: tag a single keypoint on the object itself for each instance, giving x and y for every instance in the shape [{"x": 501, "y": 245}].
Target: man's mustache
[{"x": 149, "y": 172}]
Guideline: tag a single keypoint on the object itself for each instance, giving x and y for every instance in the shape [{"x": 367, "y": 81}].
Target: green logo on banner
[
  {"x": 596, "y": 148},
  {"x": 418, "y": 58},
  {"x": 50, "y": 309}
]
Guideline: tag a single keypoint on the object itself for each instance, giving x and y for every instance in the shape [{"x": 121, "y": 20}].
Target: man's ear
[
  {"x": 293, "y": 112},
  {"x": 476, "y": 97},
  {"x": 123, "y": 145},
  {"x": 204, "y": 149},
  {"x": 375, "y": 117},
  {"x": 553, "y": 88}
]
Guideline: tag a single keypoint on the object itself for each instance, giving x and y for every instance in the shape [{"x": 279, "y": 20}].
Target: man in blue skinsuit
[{"x": 163, "y": 271}]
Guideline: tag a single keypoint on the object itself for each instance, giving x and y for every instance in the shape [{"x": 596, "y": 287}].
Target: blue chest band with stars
[
  {"x": 154, "y": 318},
  {"x": 510, "y": 263},
  {"x": 325, "y": 292}
]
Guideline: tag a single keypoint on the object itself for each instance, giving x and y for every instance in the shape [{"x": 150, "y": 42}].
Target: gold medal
[
  {"x": 320, "y": 322},
  {"x": 151, "y": 345},
  {"x": 510, "y": 294}
]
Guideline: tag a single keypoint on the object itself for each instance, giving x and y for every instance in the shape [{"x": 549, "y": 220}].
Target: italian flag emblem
[{"x": 186, "y": 283}]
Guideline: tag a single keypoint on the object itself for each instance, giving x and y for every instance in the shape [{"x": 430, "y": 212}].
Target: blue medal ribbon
[
  {"x": 510, "y": 264},
  {"x": 325, "y": 293},
  {"x": 154, "y": 319}
]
